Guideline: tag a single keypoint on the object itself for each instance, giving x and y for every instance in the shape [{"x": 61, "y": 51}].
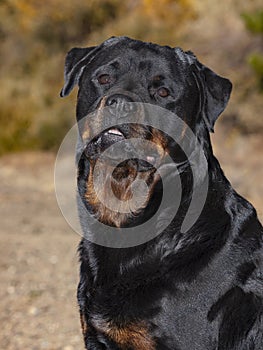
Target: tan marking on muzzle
[{"x": 86, "y": 135}]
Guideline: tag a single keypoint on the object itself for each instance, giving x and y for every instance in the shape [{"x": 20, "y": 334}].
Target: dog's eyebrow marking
[
  {"x": 115, "y": 64},
  {"x": 158, "y": 77}
]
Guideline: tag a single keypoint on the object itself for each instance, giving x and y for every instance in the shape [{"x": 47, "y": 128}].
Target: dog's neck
[{"x": 107, "y": 262}]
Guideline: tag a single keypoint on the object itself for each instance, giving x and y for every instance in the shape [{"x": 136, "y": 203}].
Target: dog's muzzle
[{"x": 114, "y": 110}]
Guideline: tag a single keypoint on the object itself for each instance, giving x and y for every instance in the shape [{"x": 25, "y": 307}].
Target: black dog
[{"x": 194, "y": 289}]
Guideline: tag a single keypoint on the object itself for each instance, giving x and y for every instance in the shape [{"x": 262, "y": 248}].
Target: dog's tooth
[
  {"x": 150, "y": 159},
  {"x": 114, "y": 132}
]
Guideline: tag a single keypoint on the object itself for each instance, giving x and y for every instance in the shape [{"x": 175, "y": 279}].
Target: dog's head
[{"x": 116, "y": 79}]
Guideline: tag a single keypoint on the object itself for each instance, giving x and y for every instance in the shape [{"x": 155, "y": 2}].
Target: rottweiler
[{"x": 194, "y": 284}]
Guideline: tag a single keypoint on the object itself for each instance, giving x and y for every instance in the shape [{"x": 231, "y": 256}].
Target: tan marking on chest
[
  {"x": 133, "y": 336},
  {"x": 83, "y": 323},
  {"x": 116, "y": 190}
]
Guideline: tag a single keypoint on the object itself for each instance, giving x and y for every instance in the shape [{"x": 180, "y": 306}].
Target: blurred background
[{"x": 38, "y": 260}]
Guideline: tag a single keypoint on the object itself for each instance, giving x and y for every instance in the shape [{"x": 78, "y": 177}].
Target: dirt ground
[{"x": 38, "y": 259}]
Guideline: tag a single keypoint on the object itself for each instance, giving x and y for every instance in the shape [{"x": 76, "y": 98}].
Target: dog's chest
[{"x": 177, "y": 319}]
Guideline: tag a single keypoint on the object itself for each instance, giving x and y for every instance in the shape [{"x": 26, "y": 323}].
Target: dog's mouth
[
  {"x": 113, "y": 134},
  {"x": 101, "y": 142},
  {"x": 113, "y": 145},
  {"x": 120, "y": 158}
]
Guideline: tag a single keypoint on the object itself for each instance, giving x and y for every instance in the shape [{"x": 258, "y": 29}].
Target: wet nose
[
  {"x": 121, "y": 104},
  {"x": 117, "y": 99}
]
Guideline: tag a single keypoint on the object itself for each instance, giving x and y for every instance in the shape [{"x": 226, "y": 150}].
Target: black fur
[{"x": 199, "y": 290}]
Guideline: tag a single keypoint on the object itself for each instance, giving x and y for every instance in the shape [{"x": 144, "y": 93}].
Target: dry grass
[{"x": 32, "y": 114}]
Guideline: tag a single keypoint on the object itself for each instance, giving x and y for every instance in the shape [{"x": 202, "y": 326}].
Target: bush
[
  {"x": 35, "y": 37},
  {"x": 254, "y": 23}
]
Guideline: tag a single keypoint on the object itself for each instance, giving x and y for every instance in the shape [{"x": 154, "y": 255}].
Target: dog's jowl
[{"x": 171, "y": 255}]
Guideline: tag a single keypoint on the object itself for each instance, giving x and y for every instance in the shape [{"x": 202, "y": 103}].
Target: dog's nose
[
  {"x": 121, "y": 104},
  {"x": 117, "y": 99}
]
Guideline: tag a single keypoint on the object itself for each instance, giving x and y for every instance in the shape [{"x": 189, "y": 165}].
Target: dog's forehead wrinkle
[
  {"x": 144, "y": 65},
  {"x": 134, "y": 52}
]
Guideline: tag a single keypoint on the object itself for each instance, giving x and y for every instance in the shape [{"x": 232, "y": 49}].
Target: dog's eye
[
  {"x": 163, "y": 92},
  {"x": 104, "y": 79}
]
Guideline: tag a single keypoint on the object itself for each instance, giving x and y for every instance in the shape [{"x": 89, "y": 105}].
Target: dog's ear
[
  {"x": 78, "y": 58},
  {"x": 75, "y": 62},
  {"x": 215, "y": 90}
]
